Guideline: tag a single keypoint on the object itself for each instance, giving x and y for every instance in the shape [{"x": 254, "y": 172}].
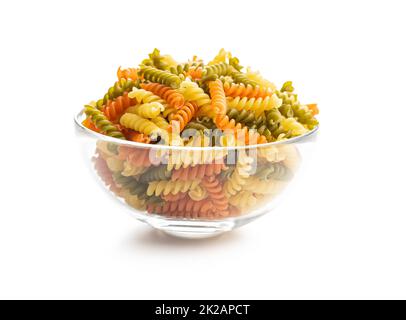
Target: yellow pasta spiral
[
  {"x": 136, "y": 123},
  {"x": 130, "y": 170},
  {"x": 192, "y": 92},
  {"x": 170, "y": 187},
  {"x": 244, "y": 200},
  {"x": 147, "y": 110},
  {"x": 294, "y": 127},
  {"x": 189, "y": 158},
  {"x": 198, "y": 193},
  {"x": 133, "y": 200},
  {"x": 144, "y": 96},
  {"x": 161, "y": 122},
  {"x": 240, "y": 175},
  {"x": 258, "y": 105}
]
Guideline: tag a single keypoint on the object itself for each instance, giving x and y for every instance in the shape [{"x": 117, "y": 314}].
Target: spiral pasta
[
  {"x": 259, "y": 79},
  {"x": 190, "y": 158},
  {"x": 195, "y": 106},
  {"x": 221, "y": 57},
  {"x": 198, "y": 193},
  {"x": 134, "y": 200},
  {"x": 258, "y": 105},
  {"x": 161, "y": 122},
  {"x": 102, "y": 123},
  {"x": 134, "y": 122},
  {"x": 160, "y": 76},
  {"x": 114, "y": 109},
  {"x": 131, "y": 170},
  {"x": 173, "y": 187},
  {"x": 276, "y": 171},
  {"x": 240, "y": 90},
  {"x": 244, "y": 200},
  {"x": 223, "y": 91},
  {"x": 115, "y": 164},
  {"x": 147, "y": 110},
  {"x": 155, "y": 174},
  {"x": 144, "y": 96},
  {"x": 175, "y": 197},
  {"x": 127, "y": 74},
  {"x": 136, "y": 157},
  {"x": 181, "y": 118},
  {"x": 184, "y": 208},
  {"x": 105, "y": 174},
  {"x": 192, "y": 92},
  {"x": 214, "y": 71},
  {"x": 195, "y": 73},
  {"x": 240, "y": 175},
  {"x": 172, "y": 97},
  {"x": 135, "y": 136},
  {"x": 197, "y": 172},
  {"x": 117, "y": 90},
  {"x": 217, "y": 195}
]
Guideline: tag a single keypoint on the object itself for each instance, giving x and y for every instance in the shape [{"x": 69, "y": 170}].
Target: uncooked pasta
[{"x": 190, "y": 105}]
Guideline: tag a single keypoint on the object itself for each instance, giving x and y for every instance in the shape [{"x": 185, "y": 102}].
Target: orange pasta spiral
[
  {"x": 136, "y": 157},
  {"x": 88, "y": 123},
  {"x": 130, "y": 73},
  {"x": 195, "y": 73},
  {"x": 105, "y": 174},
  {"x": 182, "y": 117},
  {"x": 241, "y": 90},
  {"x": 197, "y": 172},
  {"x": 135, "y": 136},
  {"x": 114, "y": 109},
  {"x": 215, "y": 190},
  {"x": 184, "y": 208},
  {"x": 174, "y": 99},
  {"x": 223, "y": 122},
  {"x": 218, "y": 97}
]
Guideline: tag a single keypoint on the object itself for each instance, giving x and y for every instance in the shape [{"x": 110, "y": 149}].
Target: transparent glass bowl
[{"x": 193, "y": 192}]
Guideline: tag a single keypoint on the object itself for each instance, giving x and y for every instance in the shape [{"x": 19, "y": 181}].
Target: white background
[{"x": 340, "y": 234}]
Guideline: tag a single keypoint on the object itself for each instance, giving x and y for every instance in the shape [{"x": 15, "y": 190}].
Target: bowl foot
[{"x": 192, "y": 229}]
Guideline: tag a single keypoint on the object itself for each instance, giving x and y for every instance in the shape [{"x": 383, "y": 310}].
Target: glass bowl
[{"x": 193, "y": 192}]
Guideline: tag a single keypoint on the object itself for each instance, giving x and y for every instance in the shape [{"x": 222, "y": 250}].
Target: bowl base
[{"x": 192, "y": 229}]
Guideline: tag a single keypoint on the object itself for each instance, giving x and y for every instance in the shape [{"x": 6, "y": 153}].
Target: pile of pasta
[
  {"x": 167, "y": 102},
  {"x": 191, "y": 105},
  {"x": 196, "y": 183}
]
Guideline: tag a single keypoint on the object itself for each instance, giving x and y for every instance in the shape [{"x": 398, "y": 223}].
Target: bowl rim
[{"x": 299, "y": 139}]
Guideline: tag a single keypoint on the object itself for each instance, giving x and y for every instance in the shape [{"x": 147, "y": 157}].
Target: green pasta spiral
[
  {"x": 201, "y": 123},
  {"x": 117, "y": 90},
  {"x": 305, "y": 116},
  {"x": 161, "y": 76},
  {"x": 134, "y": 186},
  {"x": 155, "y": 173},
  {"x": 154, "y": 200},
  {"x": 155, "y": 59},
  {"x": 291, "y": 106},
  {"x": 214, "y": 71},
  {"x": 274, "y": 119},
  {"x": 235, "y": 63},
  {"x": 102, "y": 123},
  {"x": 244, "y": 116},
  {"x": 240, "y": 77},
  {"x": 287, "y": 110},
  {"x": 263, "y": 130},
  {"x": 180, "y": 69}
]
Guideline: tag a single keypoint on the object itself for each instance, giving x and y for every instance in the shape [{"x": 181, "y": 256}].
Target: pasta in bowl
[{"x": 196, "y": 150}]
